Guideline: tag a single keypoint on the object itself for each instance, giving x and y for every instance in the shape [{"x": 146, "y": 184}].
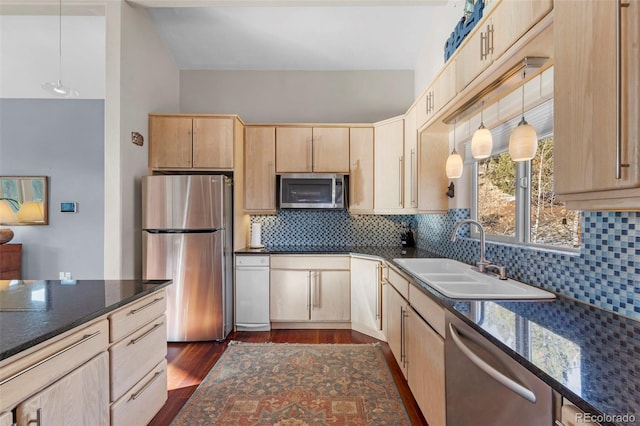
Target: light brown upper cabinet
[
  {"x": 189, "y": 142},
  {"x": 437, "y": 95},
  {"x": 312, "y": 150},
  {"x": 361, "y": 172},
  {"x": 433, "y": 150},
  {"x": 389, "y": 164},
  {"x": 260, "y": 170},
  {"x": 596, "y": 104},
  {"x": 411, "y": 161},
  {"x": 498, "y": 30}
]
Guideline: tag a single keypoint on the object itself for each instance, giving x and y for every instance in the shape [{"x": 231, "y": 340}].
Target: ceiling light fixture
[
  {"x": 482, "y": 140},
  {"x": 57, "y": 88},
  {"x": 523, "y": 142},
  {"x": 454, "y": 161}
]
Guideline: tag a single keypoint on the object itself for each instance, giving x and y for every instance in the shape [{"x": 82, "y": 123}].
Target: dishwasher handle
[{"x": 495, "y": 374}]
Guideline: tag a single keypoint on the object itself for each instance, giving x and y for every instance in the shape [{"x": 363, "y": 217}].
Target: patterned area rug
[{"x": 296, "y": 384}]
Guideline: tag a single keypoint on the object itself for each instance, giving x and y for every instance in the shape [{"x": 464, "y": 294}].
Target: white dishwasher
[{"x": 252, "y": 293}]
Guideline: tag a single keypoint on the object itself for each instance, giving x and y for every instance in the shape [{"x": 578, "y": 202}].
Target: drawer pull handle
[
  {"x": 154, "y": 301},
  {"x": 148, "y": 332},
  {"x": 135, "y": 396},
  {"x": 50, "y": 357}
]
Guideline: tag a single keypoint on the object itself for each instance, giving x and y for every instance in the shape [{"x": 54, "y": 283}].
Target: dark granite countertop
[
  {"x": 32, "y": 312},
  {"x": 588, "y": 355}
]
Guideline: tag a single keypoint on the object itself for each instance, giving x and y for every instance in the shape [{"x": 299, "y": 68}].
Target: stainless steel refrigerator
[{"x": 187, "y": 237}]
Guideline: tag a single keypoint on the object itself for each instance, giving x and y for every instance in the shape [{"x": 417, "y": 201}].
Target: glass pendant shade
[
  {"x": 59, "y": 89},
  {"x": 454, "y": 165},
  {"x": 523, "y": 142},
  {"x": 481, "y": 143}
]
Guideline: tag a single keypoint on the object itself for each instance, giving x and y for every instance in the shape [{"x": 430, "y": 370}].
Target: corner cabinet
[
  {"x": 309, "y": 289},
  {"x": 389, "y": 166},
  {"x": 433, "y": 150},
  {"x": 597, "y": 61},
  {"x": 361, "y": 172},
  {"x": 260, "y": 170},
  {"x": 191, "y": 142},
  {"x": 366, "y": 297}
]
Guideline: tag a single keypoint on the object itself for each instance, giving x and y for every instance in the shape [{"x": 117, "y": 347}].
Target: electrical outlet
[
  {"x": 67, "y": 275},
  {"x": 61, "y": 275}
]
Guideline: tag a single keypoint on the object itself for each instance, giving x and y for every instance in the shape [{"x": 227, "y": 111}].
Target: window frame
[{"x": 523, "y": 207}]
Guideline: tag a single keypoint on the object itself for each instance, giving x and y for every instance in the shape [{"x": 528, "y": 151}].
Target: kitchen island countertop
[{"x": 32, "y": 312}]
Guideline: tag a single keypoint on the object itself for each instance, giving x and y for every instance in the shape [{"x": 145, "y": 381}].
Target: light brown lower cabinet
[
  {"x": 425, "y": 365},
  {"x": 310, "y": 289},
  {"x": 69, "y": 401},
  {"x": 394, "y": 309}
]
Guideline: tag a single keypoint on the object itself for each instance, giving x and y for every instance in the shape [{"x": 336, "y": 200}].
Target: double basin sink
[{"x": 458, "y": 280}]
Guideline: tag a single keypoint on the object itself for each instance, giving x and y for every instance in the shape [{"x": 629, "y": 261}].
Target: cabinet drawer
[
  {"x": 310, "y": 262},
  {"x": 428, "y": 309},
  {"x": 400, "y": 283},
  {"x": 133, "y": 316},
  {"x": 143, "y": 401},
  {"x": 135, "y": 356},
  {"x": 24, "y": 376}
]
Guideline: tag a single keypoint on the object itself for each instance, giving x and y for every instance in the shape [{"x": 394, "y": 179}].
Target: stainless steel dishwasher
[{"x": 486, "y": 387}]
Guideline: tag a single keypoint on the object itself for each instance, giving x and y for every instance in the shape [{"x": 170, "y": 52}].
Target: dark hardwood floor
[{"x": 189, "y": 363}]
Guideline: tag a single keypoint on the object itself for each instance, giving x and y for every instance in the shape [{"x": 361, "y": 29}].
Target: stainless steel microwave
[{"x": 312, "y": 191}]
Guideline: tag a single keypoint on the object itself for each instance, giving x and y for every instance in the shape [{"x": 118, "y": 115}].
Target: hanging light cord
[
  {"x": 524, "y": 75},
  {"x": 60, "y": 41}
]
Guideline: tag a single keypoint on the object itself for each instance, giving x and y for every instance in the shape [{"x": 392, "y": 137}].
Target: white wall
[
  {"x": 141, "y": 77},
  {"x": 298, "y": 96},
  {"x": 431, "y": 58},
  {"x": 29, "y": 55}
]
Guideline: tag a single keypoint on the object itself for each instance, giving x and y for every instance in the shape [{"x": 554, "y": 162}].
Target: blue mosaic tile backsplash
[
  {"x": 331, "y": 228},
  {"x": 605, "y": 273}
]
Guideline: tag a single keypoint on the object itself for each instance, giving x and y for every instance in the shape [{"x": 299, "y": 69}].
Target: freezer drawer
[{"x": 195, "y": 302}]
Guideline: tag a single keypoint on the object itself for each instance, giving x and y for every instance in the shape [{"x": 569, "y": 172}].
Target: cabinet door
[
  {"x": 433, "y": 151},
  {"x": 361, "y": 171},
  {"x": 330, "y": 296},
  {"x": 289, "y": 295},
  {"x": 213, "y": 143},
  {"x": 68, "y": 401},
  {"x": 425, "y": 358},
  {"x": 394, "y": 310},
  {"x": 471, "y": 57},
  {"x": 170, "y": 142},
  {"x": 444, "y": 88},
  {"x": 411, "y": 161},
  {"x": 331, "y": 150},
  {"x": 260, "y": 169},
  {"x": 585, "y": 98},
  {"x": 389, "y": 166},
  {"x": 510, "y": 20},
  {"x": 294, "y": 152},
  {"x": 366, "y": 297}
]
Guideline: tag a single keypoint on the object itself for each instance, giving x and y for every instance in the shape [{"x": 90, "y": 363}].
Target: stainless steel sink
[{"x": 458, "y": 280}]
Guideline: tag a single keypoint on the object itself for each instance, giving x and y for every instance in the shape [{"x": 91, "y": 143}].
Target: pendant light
[
  {"x": 57, "y": 88},
  {"x": 482, "y": 140},
  {"x": 454, "y": 161},
  {"x": 523, "y": 142}
]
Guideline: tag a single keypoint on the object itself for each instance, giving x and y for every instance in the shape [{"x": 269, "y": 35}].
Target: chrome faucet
[{"x": 483, "y": 264}]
